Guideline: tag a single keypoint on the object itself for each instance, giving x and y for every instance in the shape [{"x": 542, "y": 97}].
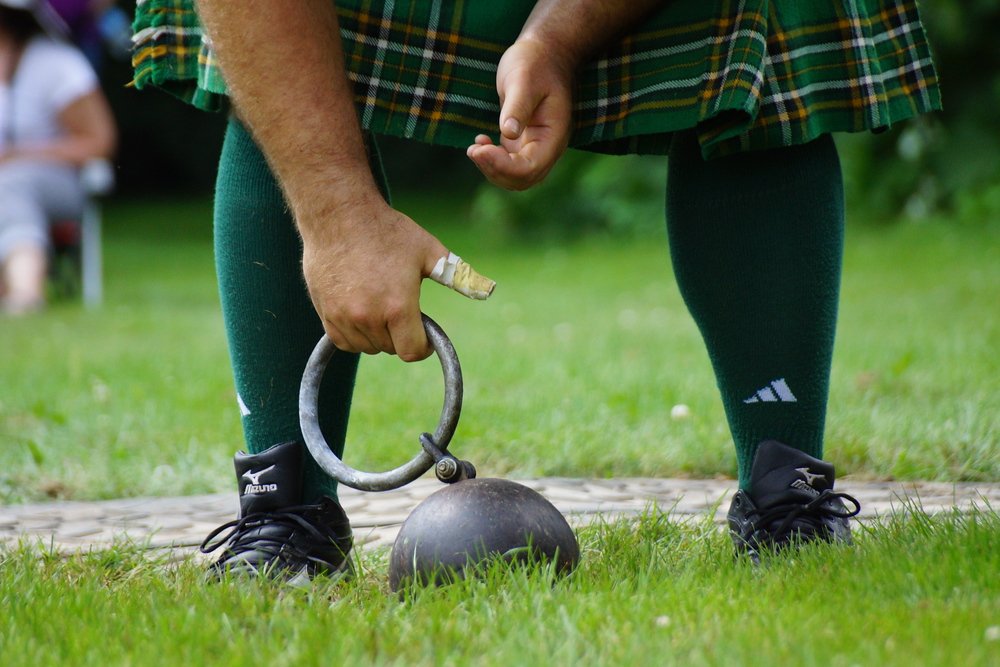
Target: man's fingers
[
  {"x": 348, "y": 339},
  {"x": 409, "y": 338},
  {"x": 402, "y": 336},
  {"x": 512, "y": 171},
  {"x": 488, "y": 158},
  {"x": 495, "y": 166}
]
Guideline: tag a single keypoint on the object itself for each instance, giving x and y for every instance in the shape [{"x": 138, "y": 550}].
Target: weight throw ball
[{"x": 468, "y": 523}]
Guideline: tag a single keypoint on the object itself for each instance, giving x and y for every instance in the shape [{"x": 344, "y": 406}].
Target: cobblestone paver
[{"x": 181, "y": 523}]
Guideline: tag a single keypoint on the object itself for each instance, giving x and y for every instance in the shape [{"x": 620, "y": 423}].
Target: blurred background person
[{"x": 53, "y": 119}]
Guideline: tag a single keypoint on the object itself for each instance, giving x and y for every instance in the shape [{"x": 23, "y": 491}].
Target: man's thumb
[{"x": 519, "y": 106}]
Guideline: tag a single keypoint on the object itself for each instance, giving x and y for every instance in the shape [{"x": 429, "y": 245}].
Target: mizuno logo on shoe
[
  {"x": 807, "y": 483},
  {"x": 255, "y": 486},
  {"x": 775, "y": 392},
  {"x": 810, "y": 477}
]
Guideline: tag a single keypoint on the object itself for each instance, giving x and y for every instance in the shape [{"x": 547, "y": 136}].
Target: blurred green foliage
[{"x": 584, "y": 194}]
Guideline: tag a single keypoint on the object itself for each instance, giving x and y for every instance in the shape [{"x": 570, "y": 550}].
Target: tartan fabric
[{"x": 748, "y": 74}]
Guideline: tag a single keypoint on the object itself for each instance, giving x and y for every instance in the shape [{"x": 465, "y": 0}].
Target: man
[{"x": 756, "y": 231}]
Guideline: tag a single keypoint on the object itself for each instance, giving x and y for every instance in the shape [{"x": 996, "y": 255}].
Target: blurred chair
[{"x": 76, "y": 244}]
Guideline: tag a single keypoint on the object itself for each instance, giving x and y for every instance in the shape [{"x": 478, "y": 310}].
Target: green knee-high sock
[
  {"x": 270, "y": 321},
  {"x": 757, "y": 241}
]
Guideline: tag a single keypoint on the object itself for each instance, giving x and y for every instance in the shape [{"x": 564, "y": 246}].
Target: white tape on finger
[{"x": 452, "y": 272}]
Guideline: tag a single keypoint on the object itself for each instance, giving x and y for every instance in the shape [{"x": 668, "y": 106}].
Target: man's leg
[
  {"x": 272, "y": 329},
  {"x": 270, "y": 321},
  {"x": 757, "y": 242}
]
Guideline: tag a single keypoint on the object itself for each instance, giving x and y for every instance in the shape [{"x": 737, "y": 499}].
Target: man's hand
[
  {"x": 535, "y": 82},
  {"x": 535, "y": 119},
  {"x": 366, "y": 285}
]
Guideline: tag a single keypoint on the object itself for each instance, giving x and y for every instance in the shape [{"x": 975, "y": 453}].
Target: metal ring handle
[{"x": 312, "y": 377}]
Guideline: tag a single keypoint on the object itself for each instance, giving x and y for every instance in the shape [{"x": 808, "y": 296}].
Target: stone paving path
[{"x": 181, "y": 523}]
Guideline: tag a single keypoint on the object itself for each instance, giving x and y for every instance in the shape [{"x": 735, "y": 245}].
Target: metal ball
[{"x": 468, "y": 523}]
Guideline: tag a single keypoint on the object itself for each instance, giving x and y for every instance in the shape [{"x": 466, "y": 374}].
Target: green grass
[
  {"x": 571, "y": 368},
  {"x": 911, "y": 591}
]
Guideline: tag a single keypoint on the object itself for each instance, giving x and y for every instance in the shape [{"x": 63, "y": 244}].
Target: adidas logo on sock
[
  {"x": 244, "y": 410},
  {"x": 776, "y": 392}
]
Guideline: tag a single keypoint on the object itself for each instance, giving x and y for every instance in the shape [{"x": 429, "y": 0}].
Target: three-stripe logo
[{"x": 775, "y": 392}]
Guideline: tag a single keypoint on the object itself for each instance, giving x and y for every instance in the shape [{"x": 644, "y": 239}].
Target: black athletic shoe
[
  {"x": 791, "y": 501},
  {"x": 275, "y": 534}
]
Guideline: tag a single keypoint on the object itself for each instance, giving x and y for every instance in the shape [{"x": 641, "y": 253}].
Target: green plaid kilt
[{"x": 747, "y": 74}]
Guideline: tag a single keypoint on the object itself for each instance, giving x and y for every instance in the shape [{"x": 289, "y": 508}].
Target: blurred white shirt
[{"x": 50, "y": 76}]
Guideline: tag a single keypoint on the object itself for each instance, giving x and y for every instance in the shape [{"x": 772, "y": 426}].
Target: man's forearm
[
  {"x": 362, "y": 261},
  {"x": 576, "y": 29},
  {"x": 284, "y": 66}
]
